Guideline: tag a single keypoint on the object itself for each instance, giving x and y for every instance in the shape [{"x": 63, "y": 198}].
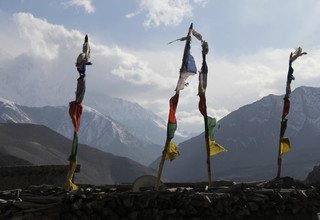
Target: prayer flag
[
  {"x": 188, "y": 67},
  {"x": 215, "y": 148},
  {"x": 172, "y": 121},
  {"x": 75, "y": 111},
  {"x": 284, "y": 145},
  {"x": 172, "y": 151}
]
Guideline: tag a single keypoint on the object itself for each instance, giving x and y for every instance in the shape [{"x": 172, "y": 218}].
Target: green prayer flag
[
  {"x": 171, "y": 128},
  {"x": 212, "y": 122}
]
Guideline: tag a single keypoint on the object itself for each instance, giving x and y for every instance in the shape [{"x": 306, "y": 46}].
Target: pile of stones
[{"x": 281, "y": 199}]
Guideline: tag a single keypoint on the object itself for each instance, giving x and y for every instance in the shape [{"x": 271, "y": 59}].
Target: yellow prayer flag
[
  {"x": 172, "y": 151},
  {"x": 284, "y": 146},
  {"x": 215, "y": 148}
]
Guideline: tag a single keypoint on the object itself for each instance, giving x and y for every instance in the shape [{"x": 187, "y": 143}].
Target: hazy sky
[{"x": 249, "y": 41}]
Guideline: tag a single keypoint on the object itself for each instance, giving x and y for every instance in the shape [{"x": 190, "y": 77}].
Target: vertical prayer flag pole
[
  {"x": 202, "y": 103},
  {"x": 187, "y": 61},
  {"x": 171, "y": 128},
  {"x": 164, "y": 152},
  {"x": 205, "y": 117},
  {"x": 284, "y": 143},
  {"x": 75, "y": 111}
]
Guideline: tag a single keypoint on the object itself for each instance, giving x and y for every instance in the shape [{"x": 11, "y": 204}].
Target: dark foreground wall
[
  {"x": 239, "y": 201},
  {"x": 23, "y": 176}
]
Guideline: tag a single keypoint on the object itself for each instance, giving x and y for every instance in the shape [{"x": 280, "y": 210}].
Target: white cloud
[
  {"x": 201, "y": 2},
  {"x": 137, "y": 71},
  {"x": 248, "y": 78},
  {"x": 165, "y": 12},
  {"x": 45, "y": 64},
  {"x": 86, "y": 4},
  {"x": 43, "y": 38}
]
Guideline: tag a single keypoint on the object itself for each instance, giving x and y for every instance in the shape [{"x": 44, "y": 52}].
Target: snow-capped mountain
[
  {"x": 251, "y": 135},
  {"x": 96, "y": 129},
  {"x": 11, "y": 113},
  {"x": 139, "y": 121}
]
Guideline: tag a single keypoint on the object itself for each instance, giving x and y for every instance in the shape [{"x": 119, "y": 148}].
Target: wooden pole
[
  {"x": 286, "y": 98},
  {"x": 206, "y": 135},
  {"x": 281, "y": 133},
  {"x": 279, "y": 158},
  {"x": 164, "y": 152}
]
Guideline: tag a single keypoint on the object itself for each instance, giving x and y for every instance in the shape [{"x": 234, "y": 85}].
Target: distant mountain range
[
  {"x": 142, "y": 123},
  {"x": 29, "y": 144},
  {"x": 96, "y": 129},
  {"x": 251, "y": 135}
]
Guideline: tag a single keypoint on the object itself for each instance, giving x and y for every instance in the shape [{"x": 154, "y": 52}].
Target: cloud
[
  {"x": 201, "y": 2},
  {"x": 165, "y": 12},
  {"x": 237, "y": 82},
  {"x": 86, "y": 4},
  {"x": 45, "y": 64},
  {"x": 44, "y": 39}
]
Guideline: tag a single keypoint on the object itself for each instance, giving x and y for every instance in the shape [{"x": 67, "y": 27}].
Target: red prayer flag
[
  {"x": 202, "y": 104},
  {"x": 173, "y": 107},
  {"x": 75, "y": 111},
  {"x": 286, "y": 107}
]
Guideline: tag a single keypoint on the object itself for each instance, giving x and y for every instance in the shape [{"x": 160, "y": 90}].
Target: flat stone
[{"x": 253, "y": 206}]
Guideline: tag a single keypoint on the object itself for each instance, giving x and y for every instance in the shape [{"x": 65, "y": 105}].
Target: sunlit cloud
[{"x": 165, "y": 12}]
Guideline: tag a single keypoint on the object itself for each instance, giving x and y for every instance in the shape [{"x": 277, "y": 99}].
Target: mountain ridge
[
  {"x": 39, "y": 145},
  {"x": 96, "y": 129},
  {"x": 251, "y": 135}
]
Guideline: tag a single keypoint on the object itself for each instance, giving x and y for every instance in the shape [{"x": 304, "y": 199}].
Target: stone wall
[
  {"x": 266, "y": 200},
  {"x": 25, "y": 176}
]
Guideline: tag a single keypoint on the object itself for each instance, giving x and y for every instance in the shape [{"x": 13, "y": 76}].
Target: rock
[
  {"x": 170, "y": 211},
  {"x": 2, "y": 201},
  {"x": 133, "y": 215},
  {"x": 28, "y": 216},
  {"x": 190, "y": 210},
  {"x": 127, "y": 202},
  {"x": 253, "y": 206}
]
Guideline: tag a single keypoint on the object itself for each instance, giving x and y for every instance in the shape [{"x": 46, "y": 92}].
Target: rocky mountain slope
[{"x": 30, "y": 144}]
